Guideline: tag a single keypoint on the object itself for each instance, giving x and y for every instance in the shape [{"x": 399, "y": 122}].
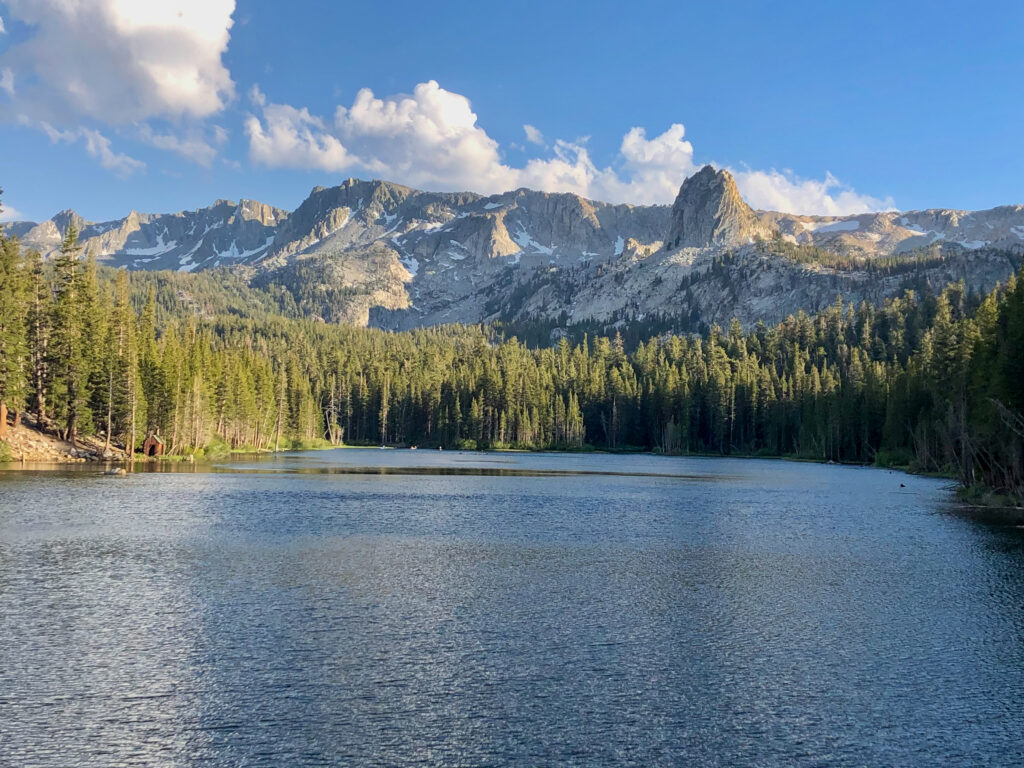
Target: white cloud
[
  {"x": 193, "y": 145},
  {"x": 430, "y": 136},
  {"x": 7, "y": 213},
  {"x": 98, "y": 146},
  {"x": 533, "y": 135},
  {"x": 292, "y": 138},
  {"x": 654, "y": 167},
  {"x": 777, "y": 191},
  {"x": 651, "y": 169},
  {"x": 55, "y": 135},
  {"x": 3, "y": 29},
  {"x": 120, "y": 61},
  {"x": 431, "y": 139}
]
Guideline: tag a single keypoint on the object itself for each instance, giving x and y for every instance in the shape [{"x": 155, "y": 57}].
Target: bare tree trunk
[
  {"x": 332, "y": 419},
  {"x": 197, "y": 414},
  {"x": 110, "y": 408},
  {"x": 174, "y": 419},
  {"x": 131, "y": 436},
  {"x": 39, "y": 349},
  {"x": 280, "y": 410},
  {"x": 1013, "y": 421},
  {"x": 72, "y": 430}
]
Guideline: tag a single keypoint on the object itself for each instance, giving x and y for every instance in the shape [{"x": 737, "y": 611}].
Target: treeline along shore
[{"x": 931, "y": 382}]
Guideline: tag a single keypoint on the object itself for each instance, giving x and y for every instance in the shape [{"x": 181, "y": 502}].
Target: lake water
[{"x": 368, "y": 607}]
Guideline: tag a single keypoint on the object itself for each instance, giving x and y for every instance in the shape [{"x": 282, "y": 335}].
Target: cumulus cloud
[
  {"x": 121, "y": 63},
  {"x": 653, "y": 168},
  {"x": 292, "y": 138},
  {"x": 432, "y": 134},
  {"x": 777, "y": 191},
  {"x": 98, "y": 146},
  {"x": 431, "y": 139}
]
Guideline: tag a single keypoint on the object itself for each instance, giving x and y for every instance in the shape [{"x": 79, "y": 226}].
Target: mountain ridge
[{"x": 375, "y": 252}]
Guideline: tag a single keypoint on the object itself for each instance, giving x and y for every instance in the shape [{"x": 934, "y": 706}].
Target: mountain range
[{"x": 381, "y": 254}]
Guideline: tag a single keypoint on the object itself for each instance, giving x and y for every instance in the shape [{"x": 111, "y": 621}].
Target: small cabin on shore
[{"x": 154, "y": 445}]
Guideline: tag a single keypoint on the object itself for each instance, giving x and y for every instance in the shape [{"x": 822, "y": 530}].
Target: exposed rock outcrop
[
  {"x": 709, "y": 211},
  {"x": 30, "y": 445}
]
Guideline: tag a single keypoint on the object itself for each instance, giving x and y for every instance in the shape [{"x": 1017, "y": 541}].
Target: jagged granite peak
[
  {"x": 328, "y": 210},
  {"x": 225, "y": 233},
  {"x": 354, "y": 195},
  {"x": 710, "y": 211},
  {"x": 66, "y": 218}
]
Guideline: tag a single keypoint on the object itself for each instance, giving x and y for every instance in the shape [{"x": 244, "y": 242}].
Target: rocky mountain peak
[
  {"x": 66, "y": 218},
  {"x": 709, "y": 211},
  {"x": 254, "y": 210}
]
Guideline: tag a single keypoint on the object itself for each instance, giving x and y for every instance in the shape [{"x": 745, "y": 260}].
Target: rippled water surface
[{"x": 397, "y": 608}]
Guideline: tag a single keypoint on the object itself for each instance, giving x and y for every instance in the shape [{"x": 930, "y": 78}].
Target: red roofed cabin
[{"x": 154, "y": 445}]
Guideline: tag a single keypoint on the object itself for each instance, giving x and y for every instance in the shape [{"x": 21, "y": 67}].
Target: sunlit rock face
[
  {"x": 709, "y": 211},
  {"x": 377, "y": 253}
]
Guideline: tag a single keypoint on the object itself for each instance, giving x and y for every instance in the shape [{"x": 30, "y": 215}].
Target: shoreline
[
  {"x": 191, "y": 459},
  {"x": 984, "y": 503}
]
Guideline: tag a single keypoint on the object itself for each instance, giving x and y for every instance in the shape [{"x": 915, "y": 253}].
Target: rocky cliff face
[
  {"x": 709, "y": 211},
  {"x": 387, "y": 255}
]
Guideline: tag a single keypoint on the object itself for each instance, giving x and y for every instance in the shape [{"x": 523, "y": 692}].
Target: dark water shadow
[
  {"x": 1000, "y": 517},
  {"x": 299, "y": 465},
  {"x": 456, "y": 471}
]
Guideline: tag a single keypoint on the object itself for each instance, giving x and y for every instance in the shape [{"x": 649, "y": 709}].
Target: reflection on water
[{"x": 397, "y": 608}]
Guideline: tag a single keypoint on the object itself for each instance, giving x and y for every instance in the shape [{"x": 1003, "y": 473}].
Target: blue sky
[{"x": 109, "y": 105}]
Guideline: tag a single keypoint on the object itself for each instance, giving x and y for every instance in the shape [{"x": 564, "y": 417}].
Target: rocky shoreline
[{"x": 28, "y": 445}]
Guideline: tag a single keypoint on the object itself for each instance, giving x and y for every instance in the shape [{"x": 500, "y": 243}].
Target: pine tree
[
  {"x": 13, "y": 331},
  {"x": 127, "y": 404},
  {"x": 38, "y": 316},
  {"x": 94, "y": 349},
  {"x": 69, "y": 364}
]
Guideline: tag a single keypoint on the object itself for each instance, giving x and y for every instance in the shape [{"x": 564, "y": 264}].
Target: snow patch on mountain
[
  {"x": 832, "y": 226},
  {"x": 160, "y": 248}
]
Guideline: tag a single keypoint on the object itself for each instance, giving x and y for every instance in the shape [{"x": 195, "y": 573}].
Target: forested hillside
[{"x": 932, "y": 381}]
